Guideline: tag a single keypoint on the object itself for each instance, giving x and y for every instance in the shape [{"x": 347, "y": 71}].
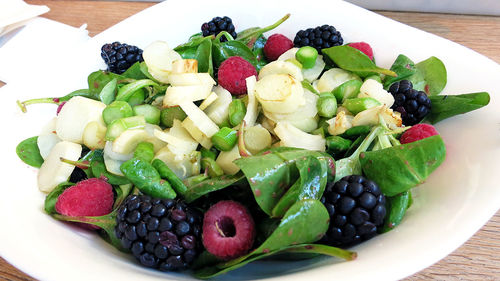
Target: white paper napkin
[{"x": 15, "y": 13}]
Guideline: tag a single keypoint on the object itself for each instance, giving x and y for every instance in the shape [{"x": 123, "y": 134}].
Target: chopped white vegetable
[
  {"x": 374, "y": 89},
  {"x": 309, "y": 74},
  {"x": 94, "y": 135},
  {"x": 218, "y": 111},
  {"x": 199, "y": 118},
  {"x": 183, "y": 165},
  {"x": 160, "y": 56},
  {"x": 226, "y": 158},
  {"x": 279, "y": 93},
  {"x": 53, "y": 171},
  {"x": 75, "y": 115},
  {"x": 46, "y": 142},
  {"x": 157, "y": 143},
  {"x": 253, "y": 106},
  {"x": 340, "y": 123},
  {"x": 175, "y": 95},
  {"x": 188, "y": 79},
  {"x": 178, "y": 138},
  {"x": 257, "y": 138},
  {"x": 371, "y": 117},
  {"x": 108, "y": 152},
  {"x": 281, "y": 67},
  {"x": 112, "y": 165},
  {"x": 208, "y": 101},
  {"x": 128, "y": 140},
  {"x": 196, "y": 133},
  {"x": 333, "y": 78},
  {"x": 184, "y": 66},
  {"x": 291, "y": 136}
]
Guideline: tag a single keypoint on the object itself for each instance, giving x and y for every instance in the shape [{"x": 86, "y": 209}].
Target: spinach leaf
[
  {"x": 99, "y": 170},
  {"x": 28, "y": 152},
  {"x": 51, "y": 199},
  {"x": 258, "y": 50},
  {"x": 305, "y": 222},
  {"x": 430, "y": 76},
  {"x": 251, "y": 35},
  {"x": 310, "y": 185},
  {"x": 273, "y": 171},
  {"x": 98, "y": 79},
  {"x": 126, "y": 91},
  {"x": 108, "y": 93},
  {"x": 206, "y": 186},
  {"x": 223, "y": 50},
  {"x": 204, "y": 56},
  {"x": 397, "y": 169},
  {"x": 446, "y": 106},
  {"x": 353, "y": 60},
  {"x": 396, "y": 207},
  {"x": 404, "y": 68},
  {"x": 134, "y": 72}
]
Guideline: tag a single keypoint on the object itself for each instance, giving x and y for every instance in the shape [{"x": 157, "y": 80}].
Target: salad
[{"x": 235, "y": 146}]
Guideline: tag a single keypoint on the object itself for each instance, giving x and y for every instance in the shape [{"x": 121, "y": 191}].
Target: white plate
[{"x": 453, "y": 204}]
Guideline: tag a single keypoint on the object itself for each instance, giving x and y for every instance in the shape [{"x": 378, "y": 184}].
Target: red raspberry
[
  {"x": 232, "y": 74},
  {"x": 363, "y": 47},
  {"x": 228, "y": 230},
  {"x": 418, "y": 132},
  {"x": 276, "y": 45},
  {"x": 90, "y": 197}
]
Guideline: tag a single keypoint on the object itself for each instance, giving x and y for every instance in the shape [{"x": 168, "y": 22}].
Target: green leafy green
[
  {"x": 28, "y": 152},
  {"x": 271, "y": 173},
  {"x": 134, "y": 72},
  {"x": 224, "y": 50},
  {"x": 404, "y": 68},
  {"x": 51, "y": 199},
  {"x": 108, "y": 93},
  {"x": 98, "y": 79},
  {"x": 430, "y": 76},
  {"x": 398, "y": 168},
  {"x": 396, "y": 208},
  {"x": 446, "y": 106},
  {"x": 127, "y": 91},
  {"x": 198, "y": 189},
  {"x": 353, "y": 60}
]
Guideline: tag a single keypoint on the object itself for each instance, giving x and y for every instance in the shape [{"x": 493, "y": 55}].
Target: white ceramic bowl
[{"x": 457, "y": 199}]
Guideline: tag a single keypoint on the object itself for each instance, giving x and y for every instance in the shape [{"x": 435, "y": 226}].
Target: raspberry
[
  {"x": 276, "y": 45},
  {"x": 418, "y": 132},
  {"x": 232, "y": 74},
  {"x": 228, "y": 230},
  {"x": 90, "y": 197},
  {"x": 363, "y": 47}
]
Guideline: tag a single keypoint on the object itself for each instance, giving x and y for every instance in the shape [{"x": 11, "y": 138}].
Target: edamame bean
[
  {"x": 326, "y": 105},
  {"x": 169, "y": 175},
  {"x": 356, "y": 105},
  {"x": 347, "y": 90},
  {"x": 151, "y": 113},
  {"x": 169, "y": 114},
  {"x": 144, "y": 151},
  {"x": 225, "y": 139},
  {"x": 116, "y": 110},
  {"x": 307, "y": 56}
]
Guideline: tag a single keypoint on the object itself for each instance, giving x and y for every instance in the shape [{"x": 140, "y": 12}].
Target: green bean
[
  {"x": 116, "y": 110},
  {"x": 237, "y": 111},
  {"x": 326, "y": 105},
  {"x": 307, "y": 56},
  {"x": 337, "y": 144},
  {"x": 147, "y": 179},
  {"x": 169, "y": 114},
  {"x": 356, "y": 105},
  {"x": 151, "y": 113},
  {"x": 397, "y": 206},
  {"x": 225, "y": 139},
  {"x": 145, "y": 151},
  {"x": 347, "y": 90},
  {"x": 166, "y": 173},
  {"x": 213, "y": 169},
  {"x": 356, "y": 131}
]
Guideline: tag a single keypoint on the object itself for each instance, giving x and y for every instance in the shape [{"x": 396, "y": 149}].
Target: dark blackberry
[
  {"x": 320, "y": 37},
  {"x": 163, "y": 234},
  {"x": 412, "y": 104},
  {"x": 119, "y": 57},
  {"x": 217, "y": 25},
  {"x": 356, "y": 207}
]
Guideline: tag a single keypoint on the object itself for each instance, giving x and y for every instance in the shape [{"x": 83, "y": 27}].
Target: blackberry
[
  {"x": 217, "y": 25},
  {"x": 77, "y": 175},
  {"x": 119, "y": 57},
  {"x": 412, "y": 104},
  {"x": 320, "y": 37},
  {"x": 356, "y": 207},
  {"x": 161, "y": 233}
]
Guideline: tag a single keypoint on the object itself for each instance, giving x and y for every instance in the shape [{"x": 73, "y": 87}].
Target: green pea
[
  {"x": 151, "y": 113},
  {"x": 166, "y": 173},
  {"x": 357, "y": 105},
  {"x": 347, "y": 90},
  {"x": 237, "y": 111},
  {"x": 116, "y": 110},
  {"x": 147, "y": 179},
  {"x": 169, "y": 114},
  {"x": 307, "y": 56}
]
